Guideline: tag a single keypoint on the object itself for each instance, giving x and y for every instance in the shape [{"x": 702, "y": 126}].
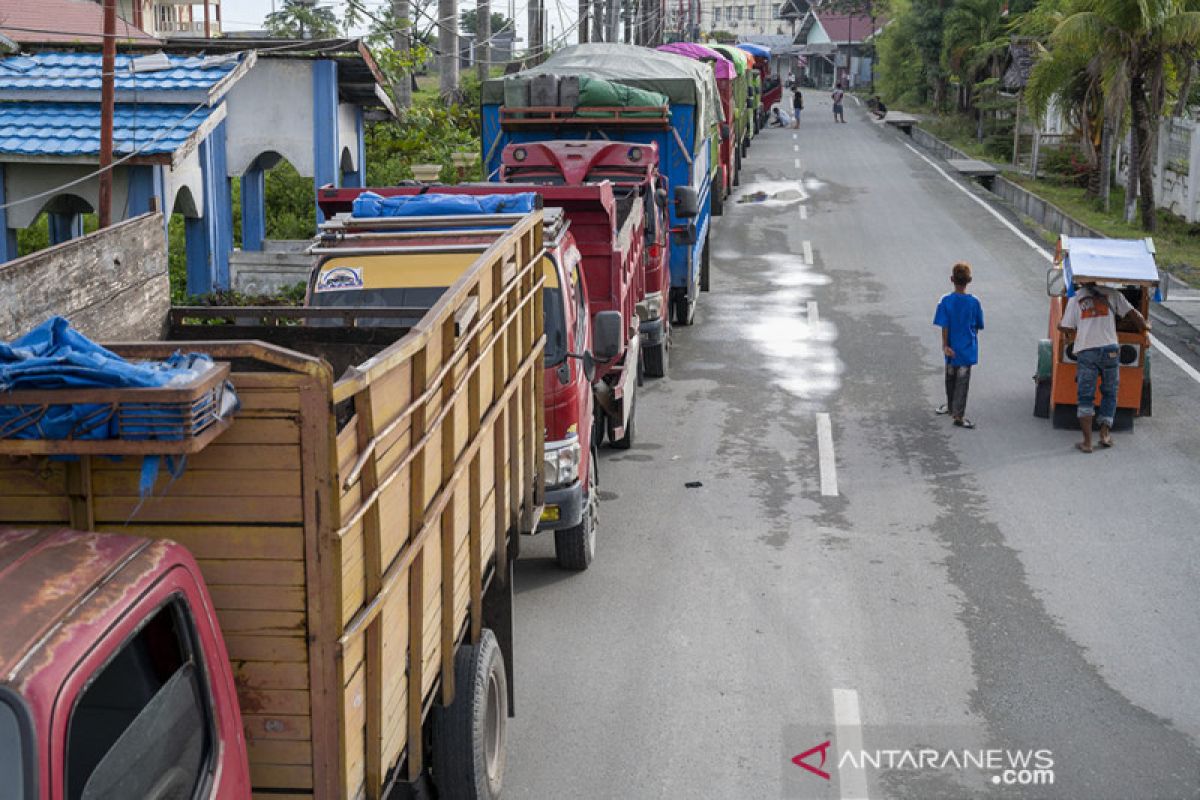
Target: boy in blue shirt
[{"x": 960, "y": 316}]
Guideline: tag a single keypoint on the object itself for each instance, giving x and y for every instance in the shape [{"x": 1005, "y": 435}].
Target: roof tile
[
  {"x": 81, "y": 71},
  {"x": 68, "y": 129}
]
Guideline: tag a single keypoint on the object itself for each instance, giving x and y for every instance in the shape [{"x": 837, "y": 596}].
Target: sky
[{"x": 249, "y": 14}]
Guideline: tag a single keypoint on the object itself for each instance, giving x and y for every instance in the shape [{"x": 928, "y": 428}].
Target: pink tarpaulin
[{"x": 722, "y": 66}]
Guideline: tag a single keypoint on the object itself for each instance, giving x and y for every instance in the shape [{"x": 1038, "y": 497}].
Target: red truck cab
[
  {"x": 114, "y": 678},
  {"x": 632, "y": 168}
]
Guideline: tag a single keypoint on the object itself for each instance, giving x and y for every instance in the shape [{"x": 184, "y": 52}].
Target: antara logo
[{"x": 800, "y": 762}]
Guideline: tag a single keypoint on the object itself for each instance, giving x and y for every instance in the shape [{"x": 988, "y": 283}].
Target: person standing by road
[
  {"x": 960, "y": 316},
  {"x": 838, "y": 96},
  {"x": 797, "y": 106},
  {"x": 1089, "y": 322}
]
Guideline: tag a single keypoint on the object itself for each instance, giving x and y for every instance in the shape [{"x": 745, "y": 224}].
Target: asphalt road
[{"x": 875, "y": 577}]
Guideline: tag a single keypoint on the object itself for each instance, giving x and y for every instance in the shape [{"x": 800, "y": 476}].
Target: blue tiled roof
[
  {"x": 73, "y": 129},
  {"x": 81, "y": 72}
]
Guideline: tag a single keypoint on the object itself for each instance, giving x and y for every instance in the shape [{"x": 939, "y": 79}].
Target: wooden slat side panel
[
  {"x": 32, "y": 477},
  {"x": 225, "y": 541}
]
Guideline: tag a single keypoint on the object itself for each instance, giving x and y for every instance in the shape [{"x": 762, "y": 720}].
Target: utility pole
[
  {"x": 584, "y": 8},
  {"x": 108, "y": 62},
  {"x": 207, "y": 22},
  {"x": 537, "y": 31},
  {"x": 614, "y": 20},
  {"x": 483, "y": 35},
  {"x": 402, "y": 44}
]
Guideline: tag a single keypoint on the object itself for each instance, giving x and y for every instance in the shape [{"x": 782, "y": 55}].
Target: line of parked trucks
[{"x": 320, "y": 604}]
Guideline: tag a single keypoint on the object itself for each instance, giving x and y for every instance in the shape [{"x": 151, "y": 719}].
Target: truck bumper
[
  {"x": 652, "y": 332},
  {"x": 564, "y": 508}
]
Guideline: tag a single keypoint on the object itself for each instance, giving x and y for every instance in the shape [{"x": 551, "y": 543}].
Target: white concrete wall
[
  {"x": 348, "y": 132},
  {"x": 26, "y": 179},
  {"x": 271, "y": 110},
  {"x": 186, "y": 174}
]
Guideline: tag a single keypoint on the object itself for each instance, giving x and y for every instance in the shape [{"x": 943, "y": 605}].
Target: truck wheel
[
  {"x": 626, "y": 441},
  {"x": 718, "y": 199},
  {"x": 469, "y": 734},
  {"x": 658, "y": 360},
  {"x": 574, "y": 548},
  {"x": 685, "y": 311},
  {"x": 737, "y": 166},
  {"x": 1041, "y": 400},
  {"x": 704, "y": 265}
]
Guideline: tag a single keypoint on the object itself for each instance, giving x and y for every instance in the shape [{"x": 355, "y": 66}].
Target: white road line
[
  {"x": 796, "y": 147},
  {"x": 806, "y": 245},
  {"x": 794, "y": 135},
  {"x": 1171, "y": 355},
  {"x": 828, "y": 462},
  {"x": 797, "y": 163},
  {"x": 852, "y": 783},
  {"x": 814, "y": 314},
  {"x": 803, "y": 212}
]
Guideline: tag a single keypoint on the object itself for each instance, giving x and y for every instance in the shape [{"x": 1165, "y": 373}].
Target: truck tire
[
  {"x": 469, "y": 734},
  {"x": 1041, "y": 399},
  {"x": 575, "y": 548},
  {"x": 737, "y": 166},
  {"x": 626, "y": 441},
  {"x": 658, "y": 359},
  {"x": 718, "y": 199},
  {"x": 704, "y": 267},
  {"x": 685, "y": 310}
]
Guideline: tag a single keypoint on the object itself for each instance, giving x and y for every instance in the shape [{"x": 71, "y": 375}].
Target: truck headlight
[
  {"x": 562, "y": 462},
  {"x": 651, "y": 306}
]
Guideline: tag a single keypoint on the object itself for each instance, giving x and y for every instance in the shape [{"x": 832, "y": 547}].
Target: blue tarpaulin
[
  {"x": 54, "y": 356},
  {"x": 371, "y": 205}
]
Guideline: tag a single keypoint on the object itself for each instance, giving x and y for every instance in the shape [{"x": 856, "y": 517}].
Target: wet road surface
[{"x": 852, "y": 568}]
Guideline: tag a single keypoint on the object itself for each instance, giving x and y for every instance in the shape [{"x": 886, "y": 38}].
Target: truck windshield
[
  {"x": 556, "y": 327},
  {"x": 423, "y": 298},
  {"x": 16, "y": 783}
]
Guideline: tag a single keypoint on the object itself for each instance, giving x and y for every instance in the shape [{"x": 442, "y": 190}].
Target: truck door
[{"x": 137, "y": 718}]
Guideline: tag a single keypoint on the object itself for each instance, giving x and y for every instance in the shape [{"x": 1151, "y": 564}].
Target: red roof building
[{"x": 62, "y": 22}]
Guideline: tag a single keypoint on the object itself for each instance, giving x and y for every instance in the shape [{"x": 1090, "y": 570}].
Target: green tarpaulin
[
  {"x": 596, "y": 92},
  {"x": 682, "y": 80}
]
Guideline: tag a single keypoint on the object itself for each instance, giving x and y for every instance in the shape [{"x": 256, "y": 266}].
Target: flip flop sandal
[
  {"x": 942, "y": 409},
  {"x": 964, "y": 423},
  {"x": 1079, "y": 446},
  {"x": 1106, "y": 443}
]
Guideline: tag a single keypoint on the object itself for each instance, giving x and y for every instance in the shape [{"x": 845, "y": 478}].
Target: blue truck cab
[{"x": 547, "y": 103}]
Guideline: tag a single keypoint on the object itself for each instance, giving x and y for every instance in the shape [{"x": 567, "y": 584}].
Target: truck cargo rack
[
  {"x": 175, "y": 420},
  {"x": 655, "y": 117}
]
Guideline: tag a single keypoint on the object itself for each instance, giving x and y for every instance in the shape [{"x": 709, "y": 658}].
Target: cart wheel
[
  {"x": 575, "y": 548},
  {"x": 1041, "y": 400},
  {"x": 469, "y": 734},
  {"x": 1063, "y": 416},
  {"x": 1147, "y": 407},
  {"x": 1123, "y": 419}
]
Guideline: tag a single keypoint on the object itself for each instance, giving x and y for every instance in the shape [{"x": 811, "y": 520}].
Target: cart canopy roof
[
  {"x": 755, "y": 49},
  {"x": 723, "y": 67},
  {"x": 683, "y": 80},
  {"x": 1115, "y": 260}
]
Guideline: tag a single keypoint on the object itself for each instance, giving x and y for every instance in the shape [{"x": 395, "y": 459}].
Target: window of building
[
  {"x": 739, "y": 11},
  {"x": 749, "y": 12},
  {"x": 779, "y": 11},
  {"x": 717, "y": 14},
  {"x": 143, "y": 726}
]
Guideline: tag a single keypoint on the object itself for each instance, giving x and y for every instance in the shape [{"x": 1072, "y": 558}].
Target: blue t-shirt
[{"x": 963, "y": 316}]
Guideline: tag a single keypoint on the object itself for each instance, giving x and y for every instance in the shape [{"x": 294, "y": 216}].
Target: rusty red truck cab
[
  {"x": 114, "y": 678},
  {"x": 633, "y": 170}
]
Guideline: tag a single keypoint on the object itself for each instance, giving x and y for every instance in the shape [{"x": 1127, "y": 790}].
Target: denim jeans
[
  {"x": 958, "y": 381},
  {"x": 1103, "y": 363}
]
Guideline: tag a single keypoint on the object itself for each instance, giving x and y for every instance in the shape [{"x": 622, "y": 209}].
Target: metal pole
[
  {"x": 207, "y": 22},
  {"x": 107, "y": 69}
]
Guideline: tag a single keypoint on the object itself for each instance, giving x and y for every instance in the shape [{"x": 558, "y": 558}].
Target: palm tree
[
  {"x": 1134, "y": 40},
  {"x": 302, "y": 19},
  {"x": 973, "y": 42}
]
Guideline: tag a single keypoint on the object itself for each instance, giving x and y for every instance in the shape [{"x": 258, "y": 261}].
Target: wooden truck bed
[{"x": 348, "y": 524}]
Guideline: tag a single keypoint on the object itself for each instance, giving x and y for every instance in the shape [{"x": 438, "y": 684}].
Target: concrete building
[
  {"x": 835, "y": 47},
  {"x": 745, "y": 18},
  {"x": 173, "y": 19},
  {"x": 185, "y": 126}
]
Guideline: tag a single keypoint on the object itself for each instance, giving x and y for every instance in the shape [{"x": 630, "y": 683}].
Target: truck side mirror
[
  {"x": 1055, "y": 284},
  {"x": 607, "y": 327},
  {"x": 684, "y": 235},
  {"x": 687, "y": 202}
]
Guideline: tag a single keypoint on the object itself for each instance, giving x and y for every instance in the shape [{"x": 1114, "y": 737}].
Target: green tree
[
  {"x": 468, "y": 22},
  {"x": 1139, "y": 42},
  {"x": 302, "y": 19},
  {"x": 973, "y": 46}
]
